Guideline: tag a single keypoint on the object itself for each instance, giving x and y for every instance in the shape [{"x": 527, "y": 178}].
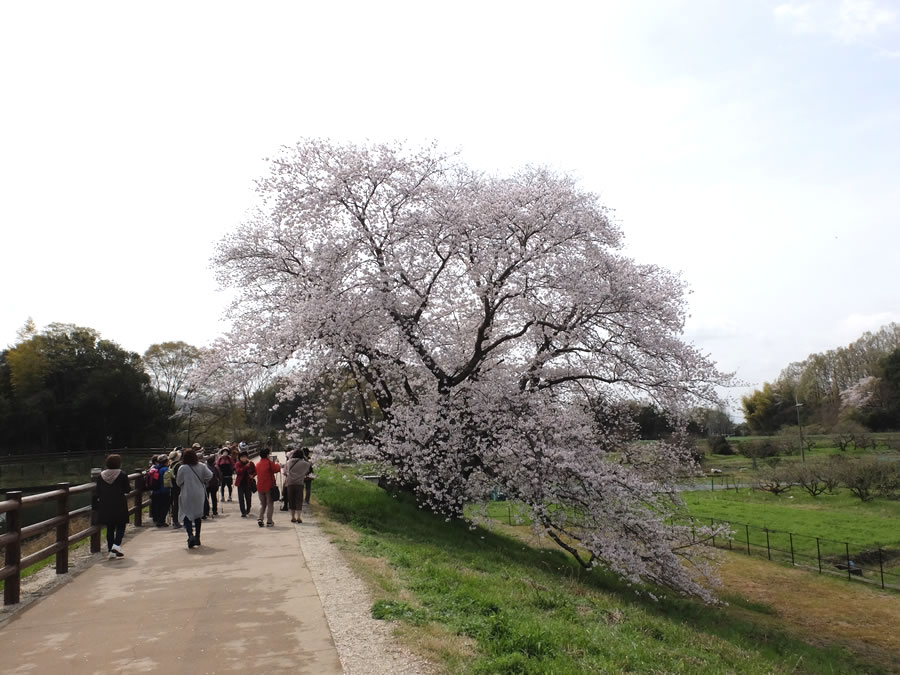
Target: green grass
[
  {"x": 50, "y": 560},
  {"x": 827, "y": 526},
  {"x": 840, "y": 516},
  {"x": 526, "y": 610}
]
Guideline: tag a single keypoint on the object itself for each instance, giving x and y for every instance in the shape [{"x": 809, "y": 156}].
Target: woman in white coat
[{"x": 192, "y": 479}]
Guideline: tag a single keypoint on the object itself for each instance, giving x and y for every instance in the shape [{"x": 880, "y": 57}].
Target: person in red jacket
[
  {"x": 265, "y": 472},
  {"x": 244, "y": 472}
]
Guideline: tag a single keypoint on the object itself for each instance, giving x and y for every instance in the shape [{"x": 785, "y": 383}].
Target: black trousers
[
  {"x": 193, "y": 532},
  {"x": 175, "y": 493},
  {"x": 245, "y": 498},
  {"x": 159, "y": 508},
  {"x": 212, "y": 495},
  {"x": 114, "y": 534},
  {"x": 227, "y": 481}
]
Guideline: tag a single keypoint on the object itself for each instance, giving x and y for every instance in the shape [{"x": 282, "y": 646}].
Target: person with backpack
[
  {"x": 192, "y": 479},
  {"x": 244, "y": 473},
  {"x": 113, "y": 487},
  {"x": 265, "y": 472},
  {"x": 159, "y": 491},
  {"x": 226, "y": 467}
]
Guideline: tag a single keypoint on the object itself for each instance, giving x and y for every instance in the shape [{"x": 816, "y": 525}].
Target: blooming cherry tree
[{"x": 490, "y": 331}]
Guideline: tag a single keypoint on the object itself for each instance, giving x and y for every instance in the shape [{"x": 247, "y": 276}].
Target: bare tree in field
[{"x": 169, "y": 365}]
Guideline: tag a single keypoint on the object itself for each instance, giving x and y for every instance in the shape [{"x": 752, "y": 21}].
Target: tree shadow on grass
[{"x": 390, "y": 523}]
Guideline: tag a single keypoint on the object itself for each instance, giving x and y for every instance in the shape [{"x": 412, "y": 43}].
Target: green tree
[
  {"x": 169, "y": 365},
  {"x": 67, "y": 389}
]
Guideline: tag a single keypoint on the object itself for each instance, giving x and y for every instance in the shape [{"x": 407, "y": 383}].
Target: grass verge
[{"x": 499, "y": 605}]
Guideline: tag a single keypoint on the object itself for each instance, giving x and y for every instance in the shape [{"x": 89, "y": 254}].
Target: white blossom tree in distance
[{"x": 489, "y": 332}]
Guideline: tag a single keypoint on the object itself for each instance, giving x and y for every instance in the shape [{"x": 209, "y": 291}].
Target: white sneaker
[
  {"x": 112, "y": 555},
  {"x": 118, "y": 551}
]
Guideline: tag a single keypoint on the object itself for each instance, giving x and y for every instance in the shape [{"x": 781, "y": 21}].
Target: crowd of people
[{"x": 189, "y": 485}]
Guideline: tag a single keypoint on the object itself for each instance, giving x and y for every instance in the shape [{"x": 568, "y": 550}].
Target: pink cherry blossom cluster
[{"x": 479, "y": 332}]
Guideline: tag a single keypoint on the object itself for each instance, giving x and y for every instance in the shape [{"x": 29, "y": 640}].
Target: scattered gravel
[{"x": 365, "y": 645}]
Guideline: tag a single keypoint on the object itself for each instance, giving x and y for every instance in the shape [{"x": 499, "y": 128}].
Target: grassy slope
[{"x": 503, "y": 606}]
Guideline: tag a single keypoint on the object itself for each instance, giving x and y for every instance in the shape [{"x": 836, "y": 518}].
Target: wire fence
[{"x": 872, "y": 564}]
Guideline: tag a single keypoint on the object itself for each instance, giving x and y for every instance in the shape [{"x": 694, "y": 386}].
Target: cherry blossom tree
[{"x": 492, "y": 333}]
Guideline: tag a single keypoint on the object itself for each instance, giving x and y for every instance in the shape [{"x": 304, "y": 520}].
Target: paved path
[{"x": 244, "y": 602}]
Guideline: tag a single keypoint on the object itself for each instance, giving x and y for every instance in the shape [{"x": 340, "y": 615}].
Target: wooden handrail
[
  {"x": 14, "y": 563},
  {"x": 41, "y": 497}
]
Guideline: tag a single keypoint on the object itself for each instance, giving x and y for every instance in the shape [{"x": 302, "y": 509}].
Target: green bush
[{"x": 719, "y": 445}]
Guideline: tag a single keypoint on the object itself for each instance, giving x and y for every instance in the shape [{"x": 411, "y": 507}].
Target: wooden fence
[{"x": 14, "y": 563}]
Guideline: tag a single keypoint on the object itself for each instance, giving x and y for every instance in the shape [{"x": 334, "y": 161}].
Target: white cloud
[{"x": 848, "y": 21}]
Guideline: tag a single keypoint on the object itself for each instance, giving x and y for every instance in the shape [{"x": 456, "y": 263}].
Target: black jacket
[{"x": 112, "y": 503}]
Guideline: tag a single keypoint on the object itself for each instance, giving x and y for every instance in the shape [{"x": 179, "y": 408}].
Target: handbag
[
  {"x": 252, "y": 486},
  {"x": 274, "y": 492}
]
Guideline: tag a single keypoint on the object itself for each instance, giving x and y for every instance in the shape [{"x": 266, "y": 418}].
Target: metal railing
[{"x": 872, "y": 564}]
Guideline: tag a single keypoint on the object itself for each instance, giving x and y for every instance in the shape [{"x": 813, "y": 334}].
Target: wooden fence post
[
  {"x": 747, "y": 530},
  {"x": 849, "y": 573},
  {"x": 139, "y": 498},
  {"x": 13, "y": 550},
  {"x": 95, "y": 537},
  {"x": 62, "y": 530}
]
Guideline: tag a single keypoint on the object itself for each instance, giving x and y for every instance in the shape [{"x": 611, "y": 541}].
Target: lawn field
[
  {"x": 826, "y": 532},
  {"x": 839, "y": 516},
  {"x": 475, "y": 600}
]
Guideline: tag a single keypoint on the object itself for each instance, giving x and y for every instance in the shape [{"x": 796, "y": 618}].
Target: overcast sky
[{"x": 753, "y": 146}]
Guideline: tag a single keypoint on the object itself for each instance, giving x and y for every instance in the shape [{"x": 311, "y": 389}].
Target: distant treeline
[
  {"x": 65, "y": 389},
  {"x": 859, "y": 383}
]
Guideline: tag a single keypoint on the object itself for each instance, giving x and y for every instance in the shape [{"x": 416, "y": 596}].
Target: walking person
[
  {"x": 212, "y": 488},
  {"x": 307, "y": 483},
  {"x": 265, "y": 472},
  {"x": 192, "y": 480},
  {"x": 160, "y": 492},
  {"x": 295, "y": 472},
  {"x": 244, "y": 474},
  {"x": 113, "y": 487},
  {"x": 174, "y": 464},
  {"x": 226, "y": 467}
]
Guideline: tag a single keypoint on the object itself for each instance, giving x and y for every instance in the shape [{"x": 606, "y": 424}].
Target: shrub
[
  {"x": 849, "y": 433},
  {"x": 794, "y": 440},
  {"x": 775, "y": 479},
  {"x": 864, "y": 477},
  {"x": 811, "y": 476},
  {"x": 719, "y": 445},
  {"x": 756, "y": 450}
]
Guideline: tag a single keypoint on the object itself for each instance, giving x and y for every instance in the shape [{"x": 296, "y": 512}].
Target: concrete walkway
[{"x": 244, "y": 602}]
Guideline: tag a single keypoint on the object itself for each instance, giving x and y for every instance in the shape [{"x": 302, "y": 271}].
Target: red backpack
[{"x": 151, "y": 480}]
